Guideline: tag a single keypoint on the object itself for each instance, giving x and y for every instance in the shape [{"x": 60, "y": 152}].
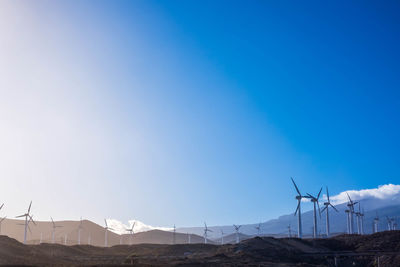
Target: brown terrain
[
  {"x": 351, "y": 250},
  {"x": 91, "y": 232}
]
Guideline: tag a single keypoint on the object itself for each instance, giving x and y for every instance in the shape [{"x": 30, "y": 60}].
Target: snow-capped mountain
[{"x": 121, "y": 228}]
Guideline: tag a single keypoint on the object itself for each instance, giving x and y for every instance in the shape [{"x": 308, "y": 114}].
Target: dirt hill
[{"x": 262, "y": 251}]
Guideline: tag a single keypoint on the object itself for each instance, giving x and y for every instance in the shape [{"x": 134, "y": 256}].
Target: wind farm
[
  {"x": 71, "y": 233},
  {"x": 199, "y": 133}
]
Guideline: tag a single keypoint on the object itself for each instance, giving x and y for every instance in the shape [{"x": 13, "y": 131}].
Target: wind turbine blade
[
  {"x": 31, "y": 219},
  {"x": 324, "y": 209},
  {"x": 105, "y": 221},
  {"x": 1, "y": 206},
  {"x": 297, "y": 189},
  {"x": 333, "y": 207},
  {"x": 29, "y": 209},
  {"x": 3, "y": 218},
  {"x": 297, "y": 209},
  {"x": 309, "y": 196},
  {"x": 20, "y": 216},
  {"x": 319, "y": 210},
  {"x": 319, "y": 193},
  {"x": 29, "y": 229},
  {"x": 351, "y": 202}
]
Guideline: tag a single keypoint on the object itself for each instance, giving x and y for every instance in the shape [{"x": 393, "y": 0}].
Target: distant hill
[{"x": 91, "y": 233}]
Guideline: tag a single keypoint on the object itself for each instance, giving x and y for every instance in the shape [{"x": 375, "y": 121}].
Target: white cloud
[
  {"x": 387, "y": 192},
  {"x": 120, "y": 228}
]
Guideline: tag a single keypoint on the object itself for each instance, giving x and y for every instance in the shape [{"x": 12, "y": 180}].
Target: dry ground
[{"x": 266, "y": 251}]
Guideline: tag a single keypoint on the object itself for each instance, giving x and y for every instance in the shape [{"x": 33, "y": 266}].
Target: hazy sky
[{"x": 190, "y": 111}]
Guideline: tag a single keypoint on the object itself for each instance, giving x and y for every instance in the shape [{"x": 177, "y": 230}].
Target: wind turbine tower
[
  {"x": 394, "y": 223},
  {"x": 326, "y": 208},
  {"x": 80, "y": 227},
  {"x": 105, "y": 234},
  {"x": 54, "y": 230},
  {"x": 289, "y": 231},
  {"x": 314, "y": 200},
  {"x": 222, "y": 237},
  {"x": 237, "y": 228},
  {"x": 362, "y": 221},
  {"x": 389, "y": 223},
  {"x": 130, "y": 230},
  {"x": 174, "y": 235},
  {"x": 357, "y": 213},
  {"x": 376, "y": 222},
  {"x": 298, "y": 210},
  {"x": 28, "y": 218},
  {"x": 348, "y": 220},
  {"x": 351, "y": 208}
]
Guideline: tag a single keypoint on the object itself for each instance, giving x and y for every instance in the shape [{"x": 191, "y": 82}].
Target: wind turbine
[
  {"x": 54, "y": 230},
  {"x": 130, "y": 230},
  {"x": 28, "y": 218},
  {"x": 105, "y": 234},
  {"x": 80, "y": 227},
  {"x": 258, "y": 228},
  {"x": 222, "y": 237},
  {"x": 1, "y": 220},
  {"x": 394, "y": 223},
  {"x": 362, "y": 221},
  {"x": 174, "y": 235},
  {"x": 189, "y": 237},
  {"x": 298, "y": 210},
  {"x": 327, "y": 204},
  {"x": 289, "y": 231},
  {"x": 237, "y": 228},
  {"x": 376, "y": 222},
  {"x": 351, "y": 208},
  {"x": 389, "y": 223},
  {"x": 314, "y": 200},
  {"x": 205, "y": 232}
]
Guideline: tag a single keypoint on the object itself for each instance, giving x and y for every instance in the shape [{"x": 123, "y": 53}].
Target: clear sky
[{"x": 190, "y": 111}]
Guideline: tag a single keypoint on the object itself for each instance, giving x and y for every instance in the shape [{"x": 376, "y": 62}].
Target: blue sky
[{"x": 182, "y": 111}]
